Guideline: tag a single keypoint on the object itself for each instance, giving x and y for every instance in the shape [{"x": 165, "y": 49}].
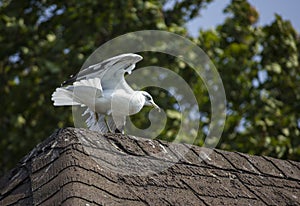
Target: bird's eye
[{"x": 148, "y": 98}]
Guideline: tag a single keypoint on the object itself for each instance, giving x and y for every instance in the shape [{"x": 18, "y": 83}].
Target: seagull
[{"x": 103, "y": 90}]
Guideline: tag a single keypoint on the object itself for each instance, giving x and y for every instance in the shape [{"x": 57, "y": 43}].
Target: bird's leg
[
  {"x": 120, "y": 124},
  {"x": 107, "y": 125},
  {"x": 96, "y": 116}
]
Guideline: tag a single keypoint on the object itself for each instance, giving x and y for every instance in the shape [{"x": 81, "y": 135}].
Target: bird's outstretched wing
[{"x": 110, "y": 71}]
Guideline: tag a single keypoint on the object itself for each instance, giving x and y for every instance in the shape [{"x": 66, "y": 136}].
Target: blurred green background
[{"x": 43, "y": 42}]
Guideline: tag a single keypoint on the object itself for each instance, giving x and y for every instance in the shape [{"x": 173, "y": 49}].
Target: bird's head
[{"x": 149, "y": 100}]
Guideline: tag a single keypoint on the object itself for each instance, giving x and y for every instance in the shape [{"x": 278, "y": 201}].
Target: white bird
[{"x": 103, "y": 90}]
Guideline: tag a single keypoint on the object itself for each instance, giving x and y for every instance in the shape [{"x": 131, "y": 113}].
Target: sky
[{"x": 213, "y": 15}]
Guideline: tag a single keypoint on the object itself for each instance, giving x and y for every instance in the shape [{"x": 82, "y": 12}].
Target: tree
[
  {"x": 45, "y": 41},
  {"x": 260, "y": 70},
  {"x": 42, "y": 42}
]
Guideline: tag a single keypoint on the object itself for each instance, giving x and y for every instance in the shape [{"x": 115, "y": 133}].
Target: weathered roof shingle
[{"x": 126, "y": 170}]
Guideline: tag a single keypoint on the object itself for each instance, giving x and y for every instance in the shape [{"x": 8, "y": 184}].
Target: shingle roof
[{"x": 126, "y": 170}]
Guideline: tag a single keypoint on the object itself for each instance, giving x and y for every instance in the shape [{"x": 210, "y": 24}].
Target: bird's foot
[
  {"x": 107, "y": 125},
  {"x": 119, "y": 131}
]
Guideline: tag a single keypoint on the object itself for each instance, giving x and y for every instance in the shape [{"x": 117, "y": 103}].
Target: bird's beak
[{"x": 155, "y": 106}]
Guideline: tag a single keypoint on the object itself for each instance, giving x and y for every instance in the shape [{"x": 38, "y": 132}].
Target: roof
[{"x": 81, "y": 167}]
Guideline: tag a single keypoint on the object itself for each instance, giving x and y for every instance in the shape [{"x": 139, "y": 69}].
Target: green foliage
[
  {"x": 260, "y": 71},
  {"x": 42, "y": 42}
]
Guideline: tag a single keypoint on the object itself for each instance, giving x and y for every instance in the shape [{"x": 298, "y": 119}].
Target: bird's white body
[{"x": 103, "y": 90}]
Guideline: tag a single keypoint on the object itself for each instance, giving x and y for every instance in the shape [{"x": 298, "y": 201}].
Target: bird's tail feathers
[
  {"x": 78, "y": 93},
  {"x": 63, "y": 97}
]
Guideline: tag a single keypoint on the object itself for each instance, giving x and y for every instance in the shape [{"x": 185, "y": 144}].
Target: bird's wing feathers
[
  {"x": 98, "y": 123},
  {"x": 95, "y": 82},
  {"x": 110, "y": 72}
]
